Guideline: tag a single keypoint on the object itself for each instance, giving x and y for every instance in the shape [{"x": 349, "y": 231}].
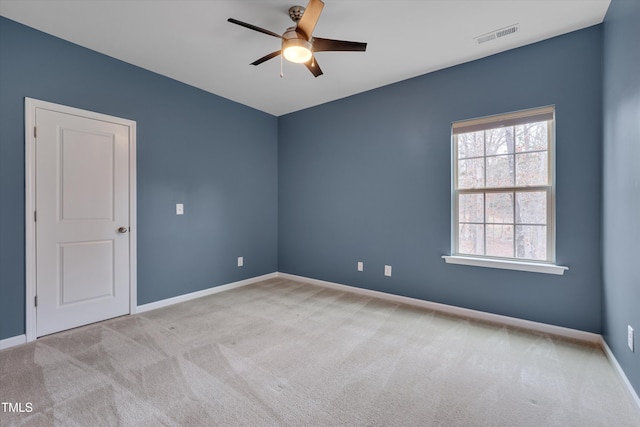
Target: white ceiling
[{"x": 191, "y": 40}]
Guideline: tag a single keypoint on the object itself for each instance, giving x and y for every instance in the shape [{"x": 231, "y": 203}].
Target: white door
[{"x": 82, "y": 220}]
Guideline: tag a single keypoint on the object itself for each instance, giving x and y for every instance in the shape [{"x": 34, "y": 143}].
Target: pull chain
[{"x": 281, "y": 70}]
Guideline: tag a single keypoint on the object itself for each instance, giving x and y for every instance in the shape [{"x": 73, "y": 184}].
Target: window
[{"x": 503, "y": 187}]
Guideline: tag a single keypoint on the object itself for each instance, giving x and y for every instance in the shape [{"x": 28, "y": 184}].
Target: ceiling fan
[{"x": 298, "y": 43}]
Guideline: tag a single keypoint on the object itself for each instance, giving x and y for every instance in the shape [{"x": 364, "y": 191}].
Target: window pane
[
  {"x": 531, "y": 207},
  {"x": 471, "y": 144},
  {"x": 531, "y": 137},
  {"x": 500, "y": 240},
  {"x": 531, "y": 169},
  {"x": 531, "y": 242},
  {"x": 504, "y": 185},
  {"x": 500, "y": 171},
  {"x": 500, "y": 208},
  {"x": 471, "y": 207},
  {"x": 499, "y": 141},
  {"x": 471, "y": 239},
  {"x": 471, "y": 173}
]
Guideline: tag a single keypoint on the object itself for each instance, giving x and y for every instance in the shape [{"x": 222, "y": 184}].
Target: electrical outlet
[
  {"x": 630, "y": 337},
  {"x": 240, "y": 261},
  {"x": 387, "y": 270},
  {"x": 179, "y": 209},
  {"x": 360, "y": 266}
]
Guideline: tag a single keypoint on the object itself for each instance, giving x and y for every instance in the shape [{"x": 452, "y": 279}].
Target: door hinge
[
  {"x": 35, "y": 300},
  {"x": 35, "y": 216},
  {"x": 35, "y": 132}
]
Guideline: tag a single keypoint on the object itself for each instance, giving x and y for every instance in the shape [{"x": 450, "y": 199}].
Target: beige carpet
[{"x": 284, "y": 353}]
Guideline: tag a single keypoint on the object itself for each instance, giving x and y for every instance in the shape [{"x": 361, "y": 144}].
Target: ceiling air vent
[{"x": 496, "y": 34}]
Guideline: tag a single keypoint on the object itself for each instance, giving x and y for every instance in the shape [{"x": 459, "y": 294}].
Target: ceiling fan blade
[
  {"x": 253, "y": 27},
  {"x": 325, "y": 45},
  {"x": 310, "y": 17},
  {"x": 266, "y": 57},
  {"x": 313, "y": 66}
]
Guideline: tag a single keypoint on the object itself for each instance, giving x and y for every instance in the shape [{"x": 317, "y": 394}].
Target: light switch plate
[
  {"x": 240, "y": 261},
  {"x": 360, "y": 266},
  {"x": 630, "y": 337},
  {"x": 387, "y": 270},
  {"x": 179, "y": 209}
]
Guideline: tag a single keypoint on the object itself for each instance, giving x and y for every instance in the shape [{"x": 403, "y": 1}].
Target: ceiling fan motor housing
[{"x": 292, "y": 34}]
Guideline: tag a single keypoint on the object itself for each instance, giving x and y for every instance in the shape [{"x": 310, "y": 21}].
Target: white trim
[
  {"x": 618, "y": 369},
  {"x": 13, "y": 341},
  {"x": 30, "y": 106},
  {"x": 504, "y": 264},
  {"x": 133, "y": 220},
  {"x": 494, "y": 121},
  {"x": 30, "y": 226},
  {"x": 457, "y": 311},
  {"x": 203, "y": 293}
]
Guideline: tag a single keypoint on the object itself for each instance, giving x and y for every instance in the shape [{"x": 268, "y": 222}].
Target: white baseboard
[
  {"x": 618, "y": 368},
  {"x": 202, "y": 293},
  {"x": 13, "y": 341},
  {"x": 457, "y": 311}
]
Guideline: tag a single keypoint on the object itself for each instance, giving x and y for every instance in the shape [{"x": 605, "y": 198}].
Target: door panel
[
  {"x": 82, "y": 263},
  {"x": 86, "y": 158},
  {"x": 82, "y": 199}
]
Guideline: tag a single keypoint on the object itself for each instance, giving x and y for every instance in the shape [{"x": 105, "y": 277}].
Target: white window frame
[{"x": 492, "y": 122}]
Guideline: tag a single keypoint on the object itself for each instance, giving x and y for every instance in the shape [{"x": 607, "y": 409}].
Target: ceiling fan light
[
  {"x": 297, "y": 54},
  {"x": 296, "y": 50}
]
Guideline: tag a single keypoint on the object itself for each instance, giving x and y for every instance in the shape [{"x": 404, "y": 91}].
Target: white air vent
[{"x": 502, "y": 32}]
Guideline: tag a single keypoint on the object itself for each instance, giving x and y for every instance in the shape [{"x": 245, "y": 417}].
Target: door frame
[{"x": 30, "y": 106}]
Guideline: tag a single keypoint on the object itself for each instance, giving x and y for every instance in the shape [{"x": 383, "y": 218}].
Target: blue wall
[
  {"x": 621, "y": 183},
  {"x": 217, "y": 157},
  {"x": 367, "y": 178}
]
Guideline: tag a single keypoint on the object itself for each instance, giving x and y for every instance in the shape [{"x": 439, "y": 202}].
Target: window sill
[{"x": 533, "y": 267}]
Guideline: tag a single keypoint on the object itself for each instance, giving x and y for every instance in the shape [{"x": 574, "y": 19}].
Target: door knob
[{"x": 122, "y": 230}]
